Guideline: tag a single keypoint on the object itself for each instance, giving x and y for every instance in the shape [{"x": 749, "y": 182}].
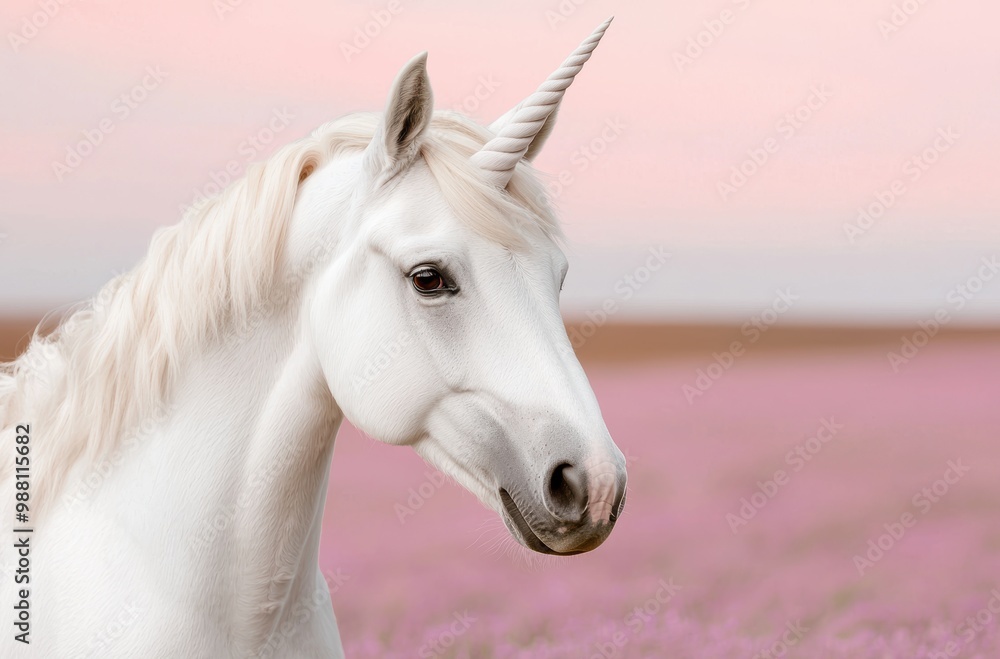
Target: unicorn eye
[{"x": 428, "y": 281}]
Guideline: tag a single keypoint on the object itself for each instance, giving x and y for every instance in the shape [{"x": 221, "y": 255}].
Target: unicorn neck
[
  {"x": 251, "y": 430},
  {"x": 279, "y": 505}
]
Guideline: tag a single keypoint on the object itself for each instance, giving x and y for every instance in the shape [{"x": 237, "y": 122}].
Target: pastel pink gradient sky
[{"x": 656, "y": 184}]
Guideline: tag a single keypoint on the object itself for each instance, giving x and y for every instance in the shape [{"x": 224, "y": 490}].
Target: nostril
[{"x": 567, "y": 491}]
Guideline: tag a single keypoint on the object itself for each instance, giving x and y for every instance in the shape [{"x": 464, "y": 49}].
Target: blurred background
[{"x": 784, "y": 234}]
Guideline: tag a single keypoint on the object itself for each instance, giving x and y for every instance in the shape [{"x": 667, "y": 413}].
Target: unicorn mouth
[{"x": 519, "y": 527}]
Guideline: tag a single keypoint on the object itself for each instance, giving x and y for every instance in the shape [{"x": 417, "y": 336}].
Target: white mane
[{"x": 111, "y": 364}]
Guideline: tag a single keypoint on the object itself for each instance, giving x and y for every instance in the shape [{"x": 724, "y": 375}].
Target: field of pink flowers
[{"x": 802, "y": 577}]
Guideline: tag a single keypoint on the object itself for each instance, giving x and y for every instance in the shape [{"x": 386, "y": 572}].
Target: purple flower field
[{"x": 844, "y": 555}]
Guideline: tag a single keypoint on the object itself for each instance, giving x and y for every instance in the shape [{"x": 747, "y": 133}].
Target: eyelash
[{"x": 432, "y": 272}]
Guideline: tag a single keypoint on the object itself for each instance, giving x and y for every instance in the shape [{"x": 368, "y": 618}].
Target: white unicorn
[{"x": 179, "y": 428}]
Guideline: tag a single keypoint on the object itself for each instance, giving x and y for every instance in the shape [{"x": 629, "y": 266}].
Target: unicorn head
[{"x": 436, "y": 319}]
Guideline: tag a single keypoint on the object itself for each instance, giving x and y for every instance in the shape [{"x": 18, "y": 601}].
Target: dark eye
[{"x": 429, "y": 281}]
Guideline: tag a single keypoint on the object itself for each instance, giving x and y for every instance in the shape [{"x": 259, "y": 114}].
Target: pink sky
[{"x": 684, "y": 127}]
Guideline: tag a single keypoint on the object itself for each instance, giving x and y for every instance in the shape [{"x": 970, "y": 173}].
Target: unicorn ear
[
  {"x": 538, "y": 141},
  {"x": 521, "y": 132},
  {"x": 407, "y": 115}
]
